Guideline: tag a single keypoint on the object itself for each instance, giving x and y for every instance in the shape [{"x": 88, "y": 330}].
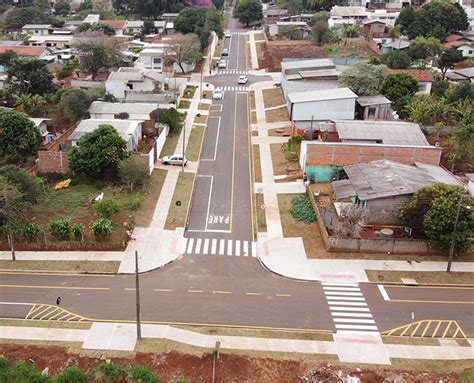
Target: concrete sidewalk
[
  {"x": 253, "y": 49},
  {"x": 349, "y": 347},
  {"x": 287, "y": 257}
]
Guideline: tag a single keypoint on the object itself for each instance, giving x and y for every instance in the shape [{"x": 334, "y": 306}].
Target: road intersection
[{"x": 219, "y": 280}]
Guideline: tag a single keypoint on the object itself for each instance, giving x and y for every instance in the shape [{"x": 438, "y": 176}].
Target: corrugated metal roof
[
  {"x": 302, "y": 64},
  {"x": 388, "y": 132},
  {"x": 320, "y": 95},
  {"x": 348, "y": 11},
  {"x": 124, "y": 128},
  {"x": 343, "y": 189},
  {"x": 382, "y": 179},
  {"x": 118, "y": 107},
  {"x": 372, "y": 100},
  {"x": 37, "y": 26}
]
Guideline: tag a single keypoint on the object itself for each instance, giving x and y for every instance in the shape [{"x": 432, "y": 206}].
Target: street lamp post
[
  {"x": 453, "y": 239},
  {"x": 137, "y": 296},
  {"x": 184, "y": 146}
]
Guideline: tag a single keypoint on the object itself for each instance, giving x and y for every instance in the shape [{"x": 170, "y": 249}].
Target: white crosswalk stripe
[
  {"x": 238, "y": 33},
  {"x": 232, "y": 71},
  {"x": 348, "y": 308},
  {"x": 214, "y": 246},
  {"x": 235, "y": 88}
]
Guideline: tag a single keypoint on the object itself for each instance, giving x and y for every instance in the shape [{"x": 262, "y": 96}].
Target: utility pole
[
  {"x": 453, "y": 239},
  {"x": 184, "y": 146},
  {"x": 9, "y": 226},
  {"x": 137, "y": 297}
]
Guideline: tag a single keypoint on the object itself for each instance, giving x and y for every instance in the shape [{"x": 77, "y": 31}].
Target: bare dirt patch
[
  {"x": 274, "y": 52},
  {"x": 273, "y": 97},
  {"x": 277, "y": 115},
  {"x": 235, "y": 367}
]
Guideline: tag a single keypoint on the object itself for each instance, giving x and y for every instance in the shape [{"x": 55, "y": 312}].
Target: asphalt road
[
  {"x": 207, "y": 288},
  {"x": 195, "y": 291}
]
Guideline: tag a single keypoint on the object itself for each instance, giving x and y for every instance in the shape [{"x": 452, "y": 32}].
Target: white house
[
  {"x": 347, "y": 15},
  {"x": 466, "y": 49},
  {"x": 160, "y": 26},
  {"x": 57, "y": 41},
  {"x": 100, "y": 110},
  {"x": 151, "y": 58},
  {"x": 320, "y": 105},
  {"x": 133, "y": 26},
  {"x": 129, "y": 130},
  {"x": 91, "y": 19},
  {"x": 133, "y": 80},
  {"x": 37, "y": 29},
  {"x": 42, "y": 125}
]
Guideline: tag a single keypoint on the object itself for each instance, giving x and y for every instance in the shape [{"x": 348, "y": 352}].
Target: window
[
  {"x": 371, "y": 112},
  {"x": 157, "y": 61},
  {"x": 470, "y": 52}
]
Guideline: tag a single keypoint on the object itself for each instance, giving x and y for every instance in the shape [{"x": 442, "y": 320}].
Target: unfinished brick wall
[
  {"x": 50, "y": 162},
  {"x": 341, "y": 154}
]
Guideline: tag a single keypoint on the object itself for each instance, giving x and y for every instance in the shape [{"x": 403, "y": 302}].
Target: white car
[
  {"x": 242, "y": 80},
  {"x": 218, "y": 94},
  {"x": 225, "y": 52},
  {"x": 227, "y": 33},
  {"x": 222, "y": 64},
  {"x": 175, "y": 159}
]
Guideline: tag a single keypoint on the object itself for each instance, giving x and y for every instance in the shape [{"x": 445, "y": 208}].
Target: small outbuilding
[{"x": 373, "y": 108}]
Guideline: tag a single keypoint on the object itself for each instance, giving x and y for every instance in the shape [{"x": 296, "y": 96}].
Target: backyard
[{"x": 284, "y": 162}]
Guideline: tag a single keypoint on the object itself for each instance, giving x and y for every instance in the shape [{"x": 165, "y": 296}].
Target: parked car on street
[
  {"x": 227, "y": 33},
  {"x": 218, "y": 94},
  {"x": 242, "y": 80},
  {"x": 225, "y": 52},
  {"x": 175, "y": 159},
  {"x": 222, "y": 64}
]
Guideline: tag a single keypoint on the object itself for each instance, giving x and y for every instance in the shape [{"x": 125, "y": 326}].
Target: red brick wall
[
  {"x": 345, "y": 154},
  {"x": 50, "y": 162}
]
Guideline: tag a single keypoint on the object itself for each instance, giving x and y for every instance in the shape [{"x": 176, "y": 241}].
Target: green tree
[
  {"x": 74, "y": 104},
  {"x": 318, "y": 17},
  {"x": 68, "y": 68},
  {"x": 439, "y": 87},
  {"x": 201, "y": 21},
  {"x": 33, "y": 105},
  {"x": 422, "y": 49},
  {"x": 62, "y": 8},
  {"x": 98, "y": 51},
  {"x": 439, "y": 204},
  {"x": 464, "y": 90},
  {"x": 448, "y": 58},
  {"x": 6, "y": 58},
  {"x": 29, "y": 186},
  {"x": 71, "y": 375},
  {"x": 364, "y": 79},
  {"x": 294, "y": 7},
  {"x": 399, "y": 88},
  {"x": 98, "y": 152},
  {"x": 320, "y": 32},
  {"x": 248, "y": 11},
  {"x": 188, "y": 19},
  {"x": 18, "y": 17},
  {"x": 148, "y": 26},
  {"x": 397, "y": 60},
  {"x": 322, "y": 5},
  {"x": 141, "y": 374},
  {"x": 183, "y": 49},
  {"x": 350, "y": 30},
  {"x": 29, "y": 76},
  {"x": 405, "y": 19},
  {"x": 19, "y": 136},
  {"x": 290, "y": 32},
  {"x": 171, "y": 117},
  {"x": 133, "y": 172},
  {"x": 104, "y": 8}
]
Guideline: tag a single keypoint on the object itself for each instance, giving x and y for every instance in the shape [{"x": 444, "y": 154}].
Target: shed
[{"x": 373, "y": 108}]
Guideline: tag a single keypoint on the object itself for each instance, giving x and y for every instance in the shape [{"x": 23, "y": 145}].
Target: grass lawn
[
  {"x": 219, "y": 46},
  {"x": 150, "y": 198},
  {"x": 410, "y": 341},
  {"x": 170, "y": 145},
  {"x": 84, "y": 266},
  {"x": 189, "y": 91},
  {"x": 277, "y": 115},
  {"x": 252, "y": 100},
  {"x": 200, "y": 119},
  {"x": 261, "y": 218},
  {"x": 177, "y": 214},
  {"x": 248, "y": 54},
  {"x": 184, "y": 104},
  {"x": 253, "y": 117},
  {"x": 273, "y": 97},
  {"x": 421, "y": 276},
  {"x": 257, "y": 166},
  {"x": 283, "y": 162},
  {"x": 259, "y": 36},
  {"x": 194, "y": 143},
  {"x": 204, "y": 106},
  {"x": 259, "y": 47},
  {"x": 45, "y": 324}
]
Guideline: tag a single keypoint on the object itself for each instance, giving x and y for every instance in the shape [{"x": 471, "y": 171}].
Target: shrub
[
  {"x": 71, "y": 375},
  {"x": 23, "y": 372},
  {"x": 78, "y": 231},
  {"x": 32, "y": 231},
  {"x": 302, "y": 209},
  {"x": 107, "y": 207},
  {"x": 3, "y": 363},
  {"x": 134, "y": 202},
  {"x": 102, "y": 228},
  {"x": 60, "y": 228},
  {"x": 106, "y": 373},
  {"x": 142, "y": 374}
]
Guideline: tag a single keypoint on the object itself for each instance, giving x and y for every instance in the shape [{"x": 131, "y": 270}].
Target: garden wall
[{"x": 368, "y": 245}]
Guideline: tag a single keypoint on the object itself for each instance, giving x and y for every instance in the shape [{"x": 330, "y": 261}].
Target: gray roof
[
  {"x": 388, "y": 132},
  {"x": 466, "y": 72},
  {"x": 118, "y": 107},
  {"x": 160, "y": 23},
  {"x": 302, "y": 64},
  {"x": 126, "y": 75},
  {"x": 372, "y": 100},
  {"x": 396, "y": 44},
  {"x": 348, "y": 11},
  {"x": 321, "y": 95},
  {"x": 37, "y": 26},
  {"x": 382, "y": 179},
  {"x": 125, "y": 128},
  {"x": 134, "y": 24},
  {"x": 309, "y": 85},
  {"x": 320, "y": 73}
]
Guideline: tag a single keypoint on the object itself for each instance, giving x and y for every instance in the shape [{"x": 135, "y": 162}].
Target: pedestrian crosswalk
[
  {"x": 235, "y": 88},
  {"x": 219, "y": 246},
  {"x": 348, "y": 307},
  {"x": 232, "y": 71},
  {"x": 238, "y": 33}
]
